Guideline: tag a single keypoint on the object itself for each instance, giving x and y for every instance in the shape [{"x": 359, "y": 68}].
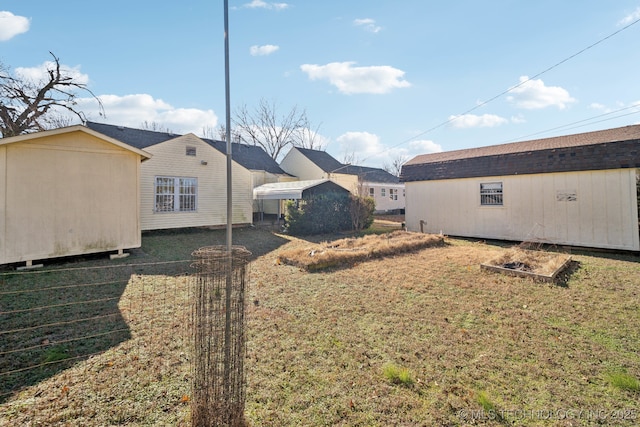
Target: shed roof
[
  {"x": 249, "y": 156},
  {"x": 294, "y": 189},
  {"x": 76, "y": 128},
  {"x": 604, "y": 149}
]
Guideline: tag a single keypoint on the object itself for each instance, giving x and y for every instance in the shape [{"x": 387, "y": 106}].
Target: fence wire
[{"x": 51, "y": 320}]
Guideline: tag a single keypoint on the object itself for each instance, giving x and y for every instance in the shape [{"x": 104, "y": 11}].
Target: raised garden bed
[
  {"x": 351, "y": 250},
  {"x": 537, "y": 265}
]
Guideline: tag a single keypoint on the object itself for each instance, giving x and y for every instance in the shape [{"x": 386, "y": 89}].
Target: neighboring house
[
  {"x": 184, "y": 184},
  {"x": 579, "y": 190},
  {"x": 68, "y": 191},
  {"x": 385, "y": 188}
]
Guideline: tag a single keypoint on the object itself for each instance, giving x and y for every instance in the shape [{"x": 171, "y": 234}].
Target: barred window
[
  {"x": 174, "y": 194},
  {"x": 491, "y": 194}
]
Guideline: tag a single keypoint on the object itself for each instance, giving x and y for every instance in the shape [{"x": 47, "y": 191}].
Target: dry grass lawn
[{"x": 423, "y": 338}]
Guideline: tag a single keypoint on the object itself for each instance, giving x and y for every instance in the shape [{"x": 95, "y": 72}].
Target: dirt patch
[{"x": 348, "y": 251}]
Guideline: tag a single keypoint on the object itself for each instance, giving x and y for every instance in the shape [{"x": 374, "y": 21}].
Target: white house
[
  {"x": 184, "y": 184},
  {"x": 579, "y": 190},
  {"x": 383, "y": 187}
]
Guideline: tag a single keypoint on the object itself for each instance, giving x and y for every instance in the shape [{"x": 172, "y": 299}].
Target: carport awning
[{"x": 286, "y": 190}]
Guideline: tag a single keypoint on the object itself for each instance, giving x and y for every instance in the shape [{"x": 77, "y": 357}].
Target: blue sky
[{"x": 381, "y": 79}]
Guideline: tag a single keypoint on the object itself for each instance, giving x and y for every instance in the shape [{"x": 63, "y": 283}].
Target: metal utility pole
[{"x": 228, "y": 125}]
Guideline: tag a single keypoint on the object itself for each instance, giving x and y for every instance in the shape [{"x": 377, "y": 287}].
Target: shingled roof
[
  {"x": 329, "y": 164},
  {"x": 606, "y": 149},
  {"x": 249, "y": 156}
]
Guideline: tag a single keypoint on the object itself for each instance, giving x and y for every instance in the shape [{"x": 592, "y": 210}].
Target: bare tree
[
  {"x": 273, "y": 132},
  {"x": 28, "y": 106},
  {"x": 395, "y": 167},
  {"x": 155, "y": 127},
  {"x": 350, "y": 158}
]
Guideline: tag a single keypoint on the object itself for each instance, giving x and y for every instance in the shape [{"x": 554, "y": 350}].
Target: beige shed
[
  {"x": 68, "y": 191},
  {"x": 579, "y": 190}
]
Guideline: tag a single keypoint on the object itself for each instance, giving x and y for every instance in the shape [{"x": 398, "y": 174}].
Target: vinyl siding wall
[
  {"x": 67, "y": 194},
  {"x": 537, "y": 207},
  {"x": 385, "y": 204},
  {"x": 298, "y": 165},
  {"x": 170, "y": 159}
]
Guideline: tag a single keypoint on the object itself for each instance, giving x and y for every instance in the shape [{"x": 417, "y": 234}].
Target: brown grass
[
  {"x": 356, "y": 249},
  {"x": 318, "y": 345}
]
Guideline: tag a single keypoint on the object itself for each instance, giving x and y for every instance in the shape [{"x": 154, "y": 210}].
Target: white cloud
[
  {"x": 533, "y": 94},
  {"x": 263, "y": 50},
  {"x": 12, "y": 25},
  {"x": 350, "y": 79},
  {"x": 260, "y": 4},
  {"x": 368, "y": 150},
  {"x": 40, "y": 73},
  {"x": 473, "y": 121},
  {"x": 363, "y": 144},
  {"x": 633, "y": 16},
  {"x": 368, "y": 24},
  {"x": 133, "y": 110}
]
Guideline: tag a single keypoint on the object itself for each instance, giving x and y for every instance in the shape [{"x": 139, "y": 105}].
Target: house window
[
  {"x": 383, "y": 192},
  {"x": 372, "y": 192},
  {"x": 491, "y": 194},
  {"x": 174, "y": 194},
  {"x": 191, "y": 151},
  {"x": 393, "y": 193}
]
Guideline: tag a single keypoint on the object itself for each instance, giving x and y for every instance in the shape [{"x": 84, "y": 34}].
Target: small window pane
[{"x": 491, "y": 194}]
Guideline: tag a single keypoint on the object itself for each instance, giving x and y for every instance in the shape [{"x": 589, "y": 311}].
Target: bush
[{"x": 328, "y": 213}]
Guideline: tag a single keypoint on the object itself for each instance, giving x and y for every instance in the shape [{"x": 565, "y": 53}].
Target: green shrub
[{"x": 318, "y": 214}]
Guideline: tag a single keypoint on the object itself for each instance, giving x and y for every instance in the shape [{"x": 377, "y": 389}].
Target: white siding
[
  {"x": 604, "y": 213},
  {"x": 385, "y": 204},
  {"x": 297, "y": 164},
  {"x": 170, "y": 159}
]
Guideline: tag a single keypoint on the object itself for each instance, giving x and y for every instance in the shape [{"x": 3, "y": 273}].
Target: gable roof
[
  {"x": 329, "y": 164},
  {"x": 605, "y": 149},
  {"x": 76, "y": 128},
  {"x": 249, "y": 156}
]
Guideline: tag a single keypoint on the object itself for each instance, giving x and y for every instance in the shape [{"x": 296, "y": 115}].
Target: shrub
[
  {"x": 362, "y": 209},
  {"x": 318, "y": 214}
]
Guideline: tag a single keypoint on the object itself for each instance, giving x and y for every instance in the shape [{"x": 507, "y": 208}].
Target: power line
[
  {"x": 481, "y": 104},
  {"x": 571, "y": 125}
]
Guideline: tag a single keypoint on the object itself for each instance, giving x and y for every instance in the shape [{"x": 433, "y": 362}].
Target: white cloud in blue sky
[
  {"x": 534, "y": 94},
  {"x": 133, "y": 110},
  {"x": 12, "y": 25},
  {"x": 349, "y": 79},
  {"x": 633, "y": 16},
  {"x": 263, "y": 50},
  {"x": 476, "y": 121},
  {"x": 375, "y": 78},
  {"x": 40, "y": 72},
  {"x": 368, "y": 24},
  {"x": 260, "y": 4}
]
